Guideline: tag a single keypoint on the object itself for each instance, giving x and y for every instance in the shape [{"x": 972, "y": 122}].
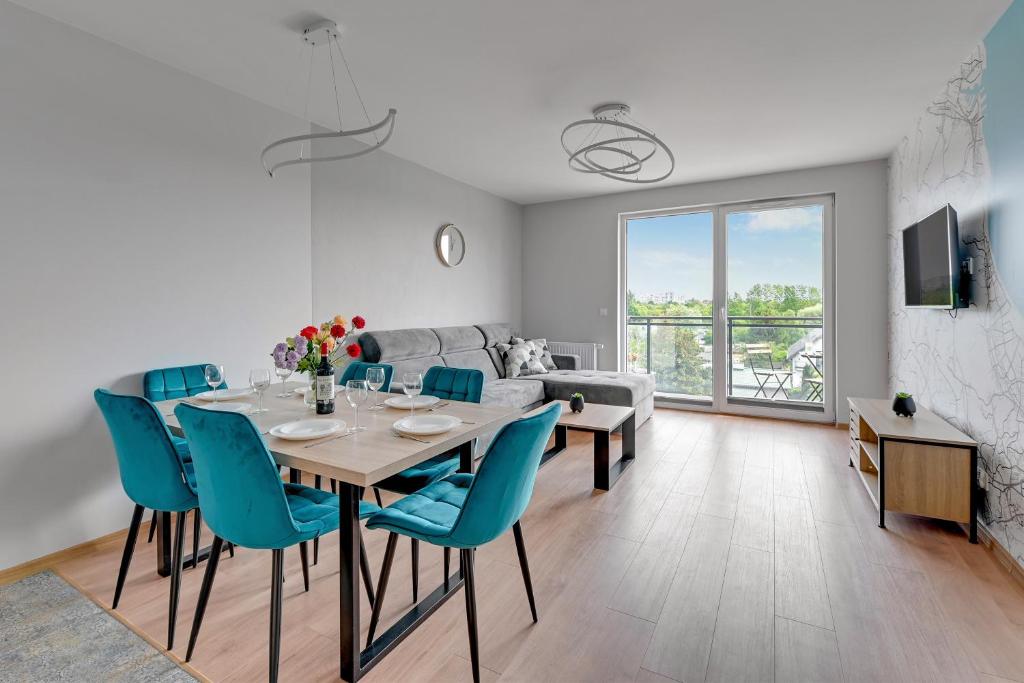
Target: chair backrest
[
  {"x": 151, "y": 470},
  {"x": 165, "y": 383},
  {"x": 357, "y": 370},
  {"x": 503, "y": 485},
  {"x": 240, "y": 490},
  {"x": 456, "y": 384}
]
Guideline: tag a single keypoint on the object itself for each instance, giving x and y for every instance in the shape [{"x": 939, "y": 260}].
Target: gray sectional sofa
[{"x": 473, "y": 346}]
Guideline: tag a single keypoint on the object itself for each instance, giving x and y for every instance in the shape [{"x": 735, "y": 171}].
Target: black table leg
[
  {"x": 601, "y": 447},
  {"x": 561, "y": 442},
  {"x": 348, "y": 538},
  {"x": 163, "y": 543},
  {"x": 466, "y": 457},
  {"x": 973, "y": 531},
  {"x": 881, "y": 483}
]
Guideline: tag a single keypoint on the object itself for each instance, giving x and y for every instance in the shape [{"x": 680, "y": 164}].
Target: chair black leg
[
  {"x": 316, "y": 550},
  {"x": 382, "y": 585},
  {"x": 376, "y": 494},
  {"x": 204, "y": 593},
  {"x": 304, "y": 554},
  {"x": 275, "y": 613},
  {"x": 317, "y": 480},
  {"x": 231, "y": 549},
  {"x": 474, "y": 647},
  {"x": 517, "y": 530},
  {"x": 447, "y": 567},
  {"x": 364, "y": 569},
  {"x": 197, "y": 523},
  {"x": 152, "y": 528},
  {"x": 129, "y": 549},
  {"x": 179, "y": 543},
  {"x": 415, "y": 547},
  {"x": 334, "y": 485}
]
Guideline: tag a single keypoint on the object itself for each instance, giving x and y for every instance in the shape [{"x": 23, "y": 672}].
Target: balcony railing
[{"x": 771, "y": 358}]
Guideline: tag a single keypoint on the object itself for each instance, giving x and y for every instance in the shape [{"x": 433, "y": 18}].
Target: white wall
[
  {"x": 570, "y": 262},
  {"x": 137, "y": 230},
  {"x": 374, "y": 224}
]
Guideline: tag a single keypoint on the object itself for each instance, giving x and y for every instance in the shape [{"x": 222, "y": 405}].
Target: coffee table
[{"x": 601, "y": 421}]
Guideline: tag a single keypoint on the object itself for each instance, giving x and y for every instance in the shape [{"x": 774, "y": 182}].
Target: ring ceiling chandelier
[
  {"x": 615, "y": 145},
  {"x": 325, "y": 33}
]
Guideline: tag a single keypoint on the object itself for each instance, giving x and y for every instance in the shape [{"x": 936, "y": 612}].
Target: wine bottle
[{"x": 324, "y": 384}]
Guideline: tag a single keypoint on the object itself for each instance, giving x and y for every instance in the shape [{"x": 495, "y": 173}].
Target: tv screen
[{"x": 931, "y": 261}]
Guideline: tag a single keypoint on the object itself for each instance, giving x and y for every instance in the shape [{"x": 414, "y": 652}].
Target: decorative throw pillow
[
  {"x": 540, "y": 346},
  {"x": 520, "y": 360}
]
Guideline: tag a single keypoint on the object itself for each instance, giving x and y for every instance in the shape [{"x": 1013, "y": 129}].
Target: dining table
[{"x": 357, "y": 461}]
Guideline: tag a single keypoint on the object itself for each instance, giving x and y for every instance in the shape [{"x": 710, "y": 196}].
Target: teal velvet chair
[
  {"x": 180, "y": 382},
  {"x": 245, "y": 503},
  {"x": 453, "y": 384},
  {"x": 466, "y": 511},
  {"x": 153, "y": 476}
]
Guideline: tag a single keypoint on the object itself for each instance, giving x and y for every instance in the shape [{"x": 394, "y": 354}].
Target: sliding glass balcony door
[{"x": 730, "y": 306}]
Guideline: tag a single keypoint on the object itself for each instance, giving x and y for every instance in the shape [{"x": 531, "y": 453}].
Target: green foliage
[
  {"x": 903, "y": 394},
  {"x": 576, "y": 395}
]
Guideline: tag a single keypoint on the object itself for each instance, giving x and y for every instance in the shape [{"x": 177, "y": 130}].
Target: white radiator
[{"x": 587, "y": 351}]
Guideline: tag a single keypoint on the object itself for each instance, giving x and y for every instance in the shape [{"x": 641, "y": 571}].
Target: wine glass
[
  {"x": 356, "y": 392},
  {"x": 375, "y": 380},
  {"x": 412, "y": 385},
  {"x": 214, "y": 377},
  {"x": 259, "y": 380},
  {"x": 284, "y": 374}
]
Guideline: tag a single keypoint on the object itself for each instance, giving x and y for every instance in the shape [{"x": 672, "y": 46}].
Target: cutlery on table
[
  {"x": 333, "y": 438},
  {"x": 436, "y": 406},
  {"x": 400, "y": 435}
]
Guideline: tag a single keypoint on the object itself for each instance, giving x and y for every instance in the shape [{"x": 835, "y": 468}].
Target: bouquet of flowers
[{"x": 302, "y": 352}]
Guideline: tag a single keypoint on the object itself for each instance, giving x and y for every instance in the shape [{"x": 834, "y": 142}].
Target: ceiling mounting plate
[
  {"x": 610, "y": 110},
  {"x": 321, "y": 32}
]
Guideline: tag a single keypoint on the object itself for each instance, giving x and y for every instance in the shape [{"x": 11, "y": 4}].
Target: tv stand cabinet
[{"x": 920, "y": 466}]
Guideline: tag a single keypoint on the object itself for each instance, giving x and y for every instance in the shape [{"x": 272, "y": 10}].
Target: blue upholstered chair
[
  {"x": 153, "y": 475},
  {"x": 181, "y": 382},
  {"x": 245, "y": 502},
  {"x": 454, "y": 384},
  {"x": 466, "y": 511}
]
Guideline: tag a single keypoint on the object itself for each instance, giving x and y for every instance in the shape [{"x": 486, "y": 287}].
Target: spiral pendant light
[
  {"x": 617, "y": 146},
  {"x": 298, "y": 149}
]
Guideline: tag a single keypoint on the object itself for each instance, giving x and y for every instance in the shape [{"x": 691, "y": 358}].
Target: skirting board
[
  {"x": 20, "y": 571},
  {"x": 1004, "y": 557}
]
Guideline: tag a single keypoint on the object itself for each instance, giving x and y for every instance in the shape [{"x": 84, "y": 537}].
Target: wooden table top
[
  {"x": 924, "y": 426},
  {"x": 366, "y": 457},
  {"x": 596, "y": 417}
]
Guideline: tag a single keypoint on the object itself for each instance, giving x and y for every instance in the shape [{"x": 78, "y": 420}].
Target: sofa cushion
[
  {"x": 540, "y": 347},
  {"x": 420, "y": 365},
  {"x": 520, "y": 360},
  {"x": 495, "y": 357},
  {"x": 597, "y": 386},
  {"x": 495, "y": 333},
  {"x": 460, "y": 338},
  {"x": 476, "y": 360},
  {"x": 391, "y": 345},
  {"x": 514, "y": 393}
]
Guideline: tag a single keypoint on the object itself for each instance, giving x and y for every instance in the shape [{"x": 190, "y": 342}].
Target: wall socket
[{"x": 603, "y": 312}]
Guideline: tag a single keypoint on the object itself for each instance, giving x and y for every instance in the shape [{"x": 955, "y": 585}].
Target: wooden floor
[{"x": 734, "y": 549}]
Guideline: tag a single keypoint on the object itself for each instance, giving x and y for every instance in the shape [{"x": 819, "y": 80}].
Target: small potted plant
[
  {"x": 903, "y": 405},
  {"x": 576, "y": 402}
]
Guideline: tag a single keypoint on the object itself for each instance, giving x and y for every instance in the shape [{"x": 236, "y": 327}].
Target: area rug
[{"x": 51, "y": 632}]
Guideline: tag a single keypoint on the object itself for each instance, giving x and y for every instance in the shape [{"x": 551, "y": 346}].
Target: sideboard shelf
[{"x": 920, "y": 466}]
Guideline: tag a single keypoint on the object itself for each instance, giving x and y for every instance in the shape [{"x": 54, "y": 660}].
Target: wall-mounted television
[{"x": 931, "y": 261}]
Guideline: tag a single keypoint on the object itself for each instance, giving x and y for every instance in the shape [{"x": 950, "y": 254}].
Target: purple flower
[
  {"x": 279, "y": 357},
  {"x": 292, "y": 366},
  {"x": 292, "y": 357},
  {"x": 280, "y": 348}
]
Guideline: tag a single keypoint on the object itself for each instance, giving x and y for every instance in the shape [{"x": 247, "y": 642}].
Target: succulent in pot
[
  {"x": 576, "y": 402},
  {"x": 903, "y": 405}
]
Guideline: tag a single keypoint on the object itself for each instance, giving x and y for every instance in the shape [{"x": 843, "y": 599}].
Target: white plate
[
  {"x": 424, "y": 425},
  {"x": 230, "y": 407},
  {"x": 408, "y": 402},
  {"x": 303, "y": 430},
  {"x": 224, "y": 394}
]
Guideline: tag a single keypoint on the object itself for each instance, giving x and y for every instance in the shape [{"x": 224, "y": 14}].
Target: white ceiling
[{"x": 483, "y": 89}]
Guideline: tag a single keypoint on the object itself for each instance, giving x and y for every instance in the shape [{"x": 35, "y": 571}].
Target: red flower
[
  {"x": 308, "y": 332},
  {"x": 359, "y": 322},
  {"x": 337, "y": 331},
  {"x": 353, "y": 350}
]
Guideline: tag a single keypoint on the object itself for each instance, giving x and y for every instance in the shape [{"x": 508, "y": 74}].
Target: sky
[{"x": 674, "y": 253}]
